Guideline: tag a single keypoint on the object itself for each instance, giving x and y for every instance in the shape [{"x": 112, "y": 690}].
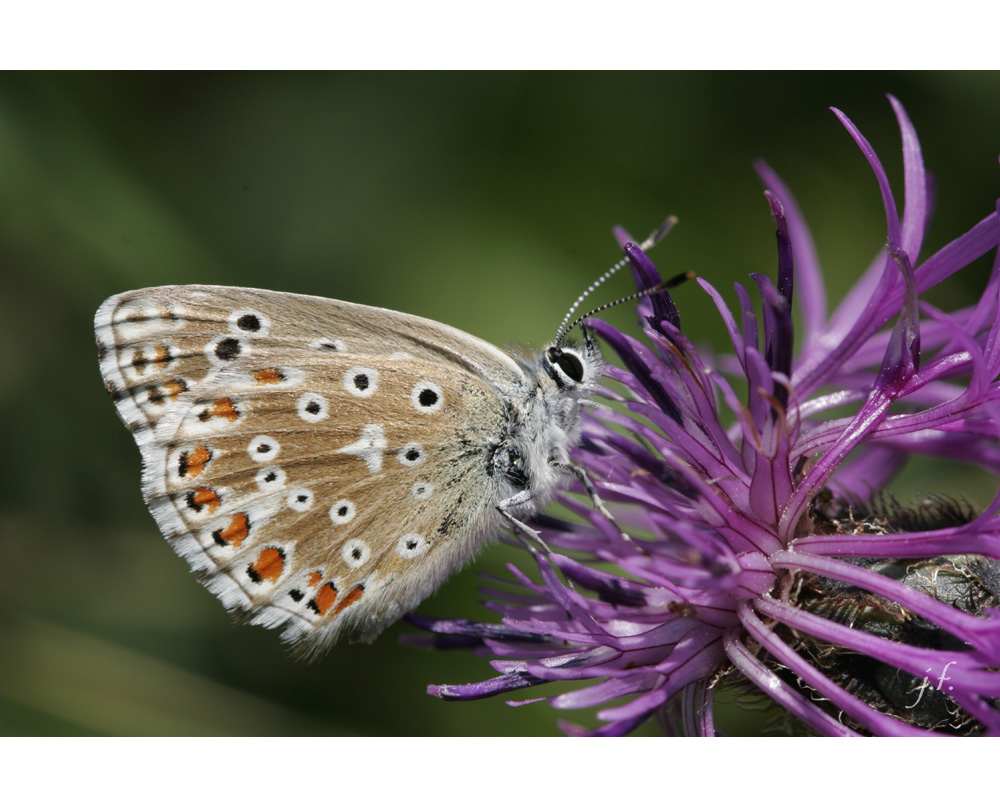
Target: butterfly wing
[{"x": 323, "y": 464}]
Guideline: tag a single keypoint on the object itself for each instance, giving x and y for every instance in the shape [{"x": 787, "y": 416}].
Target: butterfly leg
[
  {"x": 522, "y": 530},
  {"x": 588, "y": 486}
]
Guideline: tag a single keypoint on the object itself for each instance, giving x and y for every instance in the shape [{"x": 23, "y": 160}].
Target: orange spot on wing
[
  {"x": 314, "y": 578},
  {"x": 204, "y": 497},
  {"x": 324, "y": 598},
  {"x": 220, "y": 408},
  {"x": 161, "y": 355},
  {"x": 272, "y": 376},
  {"x": 350, "y": 598},
  {"x": 235, "y": 533},
  {"x": 139, "y": 360},
  {"x": 171, "y": 388},
  {"x": 175, "y": 387},
  {"x": 193, "y": 463},
  {"x": 269, "y": 565}
]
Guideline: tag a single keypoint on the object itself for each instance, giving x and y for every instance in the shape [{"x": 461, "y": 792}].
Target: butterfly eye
[{"x": 567, "y": 361}]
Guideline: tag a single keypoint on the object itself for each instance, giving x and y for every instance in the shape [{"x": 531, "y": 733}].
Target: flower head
[{"x": 762, "y": 548}]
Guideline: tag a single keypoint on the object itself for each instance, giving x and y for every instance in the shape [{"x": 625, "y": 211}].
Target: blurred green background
[{"x": 484, "y": 200}]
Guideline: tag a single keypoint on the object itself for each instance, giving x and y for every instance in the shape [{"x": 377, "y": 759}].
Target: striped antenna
[
  {"x": 666, "y": 284},
  {"x": 652, "y": 240}
]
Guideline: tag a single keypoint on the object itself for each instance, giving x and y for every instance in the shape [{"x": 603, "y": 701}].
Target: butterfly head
[
  {"x": 574, "y": 368},
  {"x": 544, "y": 423}
]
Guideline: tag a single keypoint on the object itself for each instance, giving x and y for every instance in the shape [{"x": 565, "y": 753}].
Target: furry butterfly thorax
[{"x": 325, "y": 465}]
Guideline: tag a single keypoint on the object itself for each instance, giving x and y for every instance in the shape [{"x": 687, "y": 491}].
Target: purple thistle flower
[{"x": 766, "y": 555}]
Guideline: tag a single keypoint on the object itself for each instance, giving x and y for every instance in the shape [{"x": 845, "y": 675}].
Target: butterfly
[{"x": 325, "y": 465}]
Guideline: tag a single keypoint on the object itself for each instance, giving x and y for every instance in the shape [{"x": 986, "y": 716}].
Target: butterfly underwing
[{"x": 324, "y": 465}]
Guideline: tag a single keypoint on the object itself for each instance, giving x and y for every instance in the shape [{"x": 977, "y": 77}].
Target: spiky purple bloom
[{"x": 765, "y": 553}]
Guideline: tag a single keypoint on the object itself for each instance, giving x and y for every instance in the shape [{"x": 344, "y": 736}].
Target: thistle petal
[{"x": 763, "y": 551}]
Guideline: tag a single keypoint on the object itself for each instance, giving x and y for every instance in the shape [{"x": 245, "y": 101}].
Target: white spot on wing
[
  {"x": 134, "y": 321},
  {"x": 422, "y": 490},
  {"x": 270, "y": 478},
  {"x": 427, "y": 397},
  {"x": 355, "y": 553},
  {"x": 312, "y": 407},
  {"x": 412, "y": 545},
  {"x": 411, "y": 454},
  {"x": 249, "y": 322},
  {"x": 300, "y": 499},
  {"x": 341, "y": 512},
  {"x": 223, "y": 350},
  {"x": 369, "y": 447},
  {"x": 263, "y": 448},
  {"x": 362, "y": 382},
  {"x": 329, "y": 345}
]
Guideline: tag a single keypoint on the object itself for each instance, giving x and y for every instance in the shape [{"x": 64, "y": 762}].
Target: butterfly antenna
[
  {"x": 673, "y": 282},
  {"x": 652, "y": 240}
]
